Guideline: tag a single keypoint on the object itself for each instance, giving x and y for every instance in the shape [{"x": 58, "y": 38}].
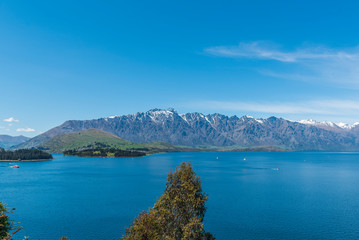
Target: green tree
[
  {"x": 5, "y": 223},
  {"x": 179, "y": 212}
]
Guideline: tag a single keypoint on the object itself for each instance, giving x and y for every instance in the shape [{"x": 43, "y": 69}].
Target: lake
[{"x": 313, "y": 195}]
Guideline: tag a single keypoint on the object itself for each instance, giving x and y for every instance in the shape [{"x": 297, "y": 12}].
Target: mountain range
[
  {"x": 7, "y": 141},
  {"x": 196, "y": 129}
]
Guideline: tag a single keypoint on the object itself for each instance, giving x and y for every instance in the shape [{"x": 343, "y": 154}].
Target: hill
[
  {"x": 97, "y": 139},
  {"x": 196, "y": 129},
  {"x": 83, "y": 139}
]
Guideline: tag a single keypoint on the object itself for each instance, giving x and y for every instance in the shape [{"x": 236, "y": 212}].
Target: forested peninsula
[
  {"x": 24, "y": 155},
  {"x": 104, "y": 153}
]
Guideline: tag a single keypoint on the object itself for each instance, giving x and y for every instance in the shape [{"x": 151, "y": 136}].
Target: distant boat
[
  {"x": 275, "y": 169},
  {"x": 15, "y": 166}
]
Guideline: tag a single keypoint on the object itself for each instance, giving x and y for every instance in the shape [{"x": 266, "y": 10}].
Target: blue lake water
[{"x": 313, "y": 195}]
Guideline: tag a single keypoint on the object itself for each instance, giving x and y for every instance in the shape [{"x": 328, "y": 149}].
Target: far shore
[{"x": 31, "y": 160}]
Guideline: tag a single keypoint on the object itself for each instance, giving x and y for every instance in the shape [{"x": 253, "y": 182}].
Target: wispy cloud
[
  {"x": 306, "y": 63},
  {"x": 11, "y": 119},
  {"x": 25, "y": 130},
  {"x": 262, "y": 50},
  {"x": 333, "y": 109}
]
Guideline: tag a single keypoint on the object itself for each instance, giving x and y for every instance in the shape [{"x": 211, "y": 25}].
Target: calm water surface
[{"x": 314, "y": 195}]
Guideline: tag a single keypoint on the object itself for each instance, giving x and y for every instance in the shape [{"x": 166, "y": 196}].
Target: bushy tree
[
  {"x": 5, "y": 223},
  {"x": 179, "y": 212}
]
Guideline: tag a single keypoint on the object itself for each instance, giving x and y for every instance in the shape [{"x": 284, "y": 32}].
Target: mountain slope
[
  {"x": 82, "y": 139},
  {"x": 95, "y": 138},
  {"x": 7, "y": 141},
  {"x": 196, "y": 129}
]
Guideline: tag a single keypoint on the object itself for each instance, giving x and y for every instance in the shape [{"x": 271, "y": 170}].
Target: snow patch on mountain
[
  {"x": 158, "y": 115},
  {"x": 247, "y": 117},
  {"x": 347, "y": 126},
  {"x": 316, "y": 123},
  {"x": 329, "y": 124}
]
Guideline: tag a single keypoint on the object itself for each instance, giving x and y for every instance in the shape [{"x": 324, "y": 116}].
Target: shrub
[{"x": 179, "y": 212}]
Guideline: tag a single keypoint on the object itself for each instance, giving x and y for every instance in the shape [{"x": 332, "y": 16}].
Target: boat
[{"x": 15, "y": 166}]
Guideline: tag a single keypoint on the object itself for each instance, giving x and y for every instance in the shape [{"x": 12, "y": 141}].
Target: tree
[
  {"x": 179, "y": 212},
  {"x": 64, "y": 238},
  {"x": 5, "y": 223}
]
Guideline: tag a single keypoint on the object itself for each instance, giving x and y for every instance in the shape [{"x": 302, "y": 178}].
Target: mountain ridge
[
  {"x": 7, "y": 141},
  {"x": 197, "y": 129}
]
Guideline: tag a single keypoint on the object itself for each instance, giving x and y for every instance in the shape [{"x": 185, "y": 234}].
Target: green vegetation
[
  {"x": 84, "y": 139},
  {"x": 24, "y": 155},
  {"x": 5, "y": 223},
  {"x": 95, "y": 142},
  {"x": 179, "y": 212},
  {"x": 98, "y": 139},
  {"x": 104, "y": 153}
]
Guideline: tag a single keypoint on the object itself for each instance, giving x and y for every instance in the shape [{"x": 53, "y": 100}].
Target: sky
[{"x": 76, "y": 60}]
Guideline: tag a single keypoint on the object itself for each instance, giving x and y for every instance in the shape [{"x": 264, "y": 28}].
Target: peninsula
[{"x": 24, "y": 155}]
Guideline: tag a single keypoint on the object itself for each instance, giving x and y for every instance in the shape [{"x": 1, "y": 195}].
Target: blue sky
[{"x": 62, "y": 60}]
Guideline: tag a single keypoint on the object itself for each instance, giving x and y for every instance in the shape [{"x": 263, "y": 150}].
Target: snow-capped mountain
[
  {"x": 197, "y": 129},
  {"x": 347, "y": 126},
  {"x": 326, "y": 124}
]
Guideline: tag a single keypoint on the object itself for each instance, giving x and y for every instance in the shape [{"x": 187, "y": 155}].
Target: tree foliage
[
  {"x": 100, "y": 152},
  {"x": 5, "y": 223},
  {"x": 64, "y": 238},
  {"x": 179, "y": 212},
  {"x": 24, "y": 154}
]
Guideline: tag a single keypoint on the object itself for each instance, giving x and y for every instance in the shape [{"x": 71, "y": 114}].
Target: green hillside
[
  {"x": 83, "y": 139},
  {"x": 95, "y": 138},
  {"x": 98, "y": 139}
]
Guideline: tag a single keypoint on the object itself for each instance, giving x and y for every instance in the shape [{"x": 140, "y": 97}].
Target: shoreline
[{"x": 31, "y": 160}]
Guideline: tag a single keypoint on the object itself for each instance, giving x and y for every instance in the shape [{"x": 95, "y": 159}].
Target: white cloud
[
  {"x": 11, "y": 119},
  {"x": 25, "y": 130},
  {"x": 322, "y": 64},
  {"x": 330, "y": 109},
  {"x": 262, "y": 50}
]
